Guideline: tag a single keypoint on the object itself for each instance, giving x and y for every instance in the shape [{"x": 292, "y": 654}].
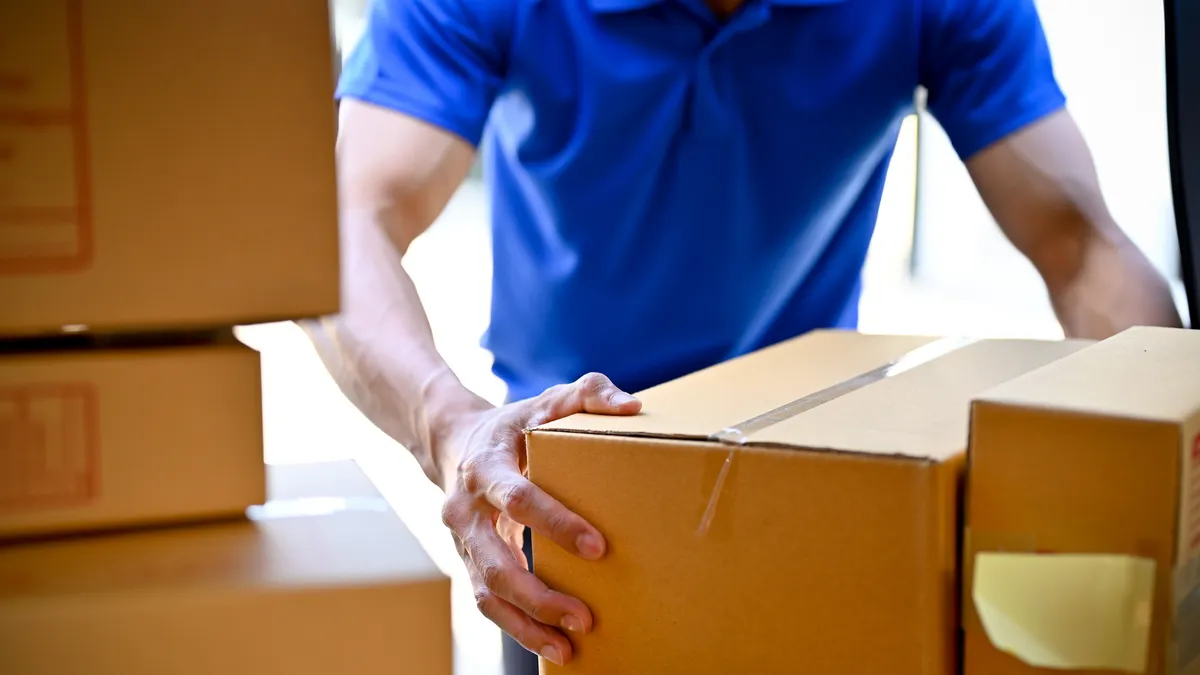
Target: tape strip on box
[{"x": 739, "y": 434}]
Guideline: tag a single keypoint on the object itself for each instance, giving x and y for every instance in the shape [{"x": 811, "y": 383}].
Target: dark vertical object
[{"x": 1182, "y": 21}]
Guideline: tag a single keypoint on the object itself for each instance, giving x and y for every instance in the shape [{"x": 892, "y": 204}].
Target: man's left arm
[
  {"x": 991, "y": 84},
  {"x": 1040, "y": 185}
]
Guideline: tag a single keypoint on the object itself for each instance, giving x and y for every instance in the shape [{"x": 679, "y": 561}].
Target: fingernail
[
  {"x": 621, "y": 398},
  {"x": 572, "y": 624},
  {"x": 589, "y": 546},
  {"x": 550, "y": 653}
]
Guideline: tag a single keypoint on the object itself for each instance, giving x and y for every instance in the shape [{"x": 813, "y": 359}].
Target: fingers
[
  {"x": 537, "y": 638},
  {"x": 522, "y": 501},
  {"x": 492, "y": 476},
  {"x": 593, "y": 393},
  {"x": 519, "y": 602},
  {"x": 491, "y": 500},
  {"x": 500, "y": 571},
  {"x": 513, "y": 534}
]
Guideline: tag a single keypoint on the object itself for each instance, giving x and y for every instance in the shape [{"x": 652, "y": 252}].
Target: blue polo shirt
[{"x": 670, "y": 189}]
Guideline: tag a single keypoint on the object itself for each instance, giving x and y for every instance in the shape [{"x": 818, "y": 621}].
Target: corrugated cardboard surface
[
  {"x": 165, "y": 164},
  {"x": 101, "y": 438},
  {"x": 316, "y": 586},
  {"x": 1092, "y": 456},
  {"x": 834, "y": 543}
]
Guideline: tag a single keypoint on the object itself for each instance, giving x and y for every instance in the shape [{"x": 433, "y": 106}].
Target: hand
[{"x": 489, "y": 502}]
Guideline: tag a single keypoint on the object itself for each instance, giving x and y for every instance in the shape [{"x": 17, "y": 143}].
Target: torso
[{"x": 692, "y": 186}]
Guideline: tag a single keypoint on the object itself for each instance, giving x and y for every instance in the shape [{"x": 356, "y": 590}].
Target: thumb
[{"x": 592, "y": 393}]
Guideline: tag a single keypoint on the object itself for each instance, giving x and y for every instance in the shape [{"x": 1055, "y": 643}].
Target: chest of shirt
[{"x": 774, "y": 80}]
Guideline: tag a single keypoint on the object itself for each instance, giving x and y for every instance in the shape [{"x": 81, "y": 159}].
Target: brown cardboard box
[
  {"x": 834, "y": 542},
  {"x": 326, "y": 579},
  {"x": 110, "y": 437},
  {"x": 1083, "y": 542},
  {"x": 165, "y": 164}
]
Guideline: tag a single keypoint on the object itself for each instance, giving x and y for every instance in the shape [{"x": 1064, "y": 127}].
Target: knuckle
[
  {"x": 484, "y": 600},
  {"x": 561, "y": 527},
  {"x": 517, "y": 498},
  {"x": 593, "y": 382},
  {"x": 492, "y": 574},
  {"x": 548, "y": 617},
  {"x": 471, "y": 470},
  {"x": 554, "y": 392},
  {"x": 535, "y": 416},
  {"x": 450, "y": 509},
  {"x": 540, "y": 608}
]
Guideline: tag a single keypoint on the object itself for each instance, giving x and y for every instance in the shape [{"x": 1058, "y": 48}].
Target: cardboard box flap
[
  {"x": 834, "y": 390},
  {"x": 920, "y": 412},
  {"x": 707, "y": 401},
  {"x": 320, "y": 541},
  {"x": 1143, "y": 373}
]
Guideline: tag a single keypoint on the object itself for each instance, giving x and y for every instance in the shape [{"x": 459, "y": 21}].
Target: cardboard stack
[{"x": 166, "y": 173}]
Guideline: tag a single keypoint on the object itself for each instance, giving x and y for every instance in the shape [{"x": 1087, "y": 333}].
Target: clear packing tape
[{"x": 739, "y": 435}]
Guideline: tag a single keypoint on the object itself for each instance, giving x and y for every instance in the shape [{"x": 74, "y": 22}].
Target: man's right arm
[
  {"x": 415, "y": 96},
  {"x": 395, "y": 175}
]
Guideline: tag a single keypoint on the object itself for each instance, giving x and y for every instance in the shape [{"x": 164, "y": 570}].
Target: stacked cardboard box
[
  {"x": 166, "y": 173},
  {"x": 165, "y": 165},
  {"x": 1083, "y": 517},
  {"x": 324, "y": 578},
  {"x": 101, "y": 435}
]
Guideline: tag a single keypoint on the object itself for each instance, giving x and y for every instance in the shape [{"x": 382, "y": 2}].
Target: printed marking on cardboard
[
  {"x": 49, "y": 454},
  {"x": 45, "y": 193},
  {"x": 1191, "y": 499}
]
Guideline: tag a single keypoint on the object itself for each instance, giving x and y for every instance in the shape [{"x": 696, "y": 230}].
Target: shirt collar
[{"x": 614, "y": 6}]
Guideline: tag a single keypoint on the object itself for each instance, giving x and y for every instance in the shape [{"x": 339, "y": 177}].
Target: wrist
[{"x": 450, "y": 411}]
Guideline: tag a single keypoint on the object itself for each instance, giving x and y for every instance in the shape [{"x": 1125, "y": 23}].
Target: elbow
[
  {"x": 1062, "y": 247},
  {"x": 394, "y": 223},
  {"x": 1100, "y": 283}
]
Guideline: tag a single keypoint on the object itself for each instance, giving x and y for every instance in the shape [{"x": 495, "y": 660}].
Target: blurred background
[{"x": 938, "y": 265}]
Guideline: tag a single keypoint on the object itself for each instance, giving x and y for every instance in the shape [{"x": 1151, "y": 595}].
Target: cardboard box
[
  {"x": 1083, "y": 544},
  {"x": 165, "y": 164},
  {"x": 833, "y": 544},
  {"x": 324, "y": 580},
  {"x": 114, "y": 437}
]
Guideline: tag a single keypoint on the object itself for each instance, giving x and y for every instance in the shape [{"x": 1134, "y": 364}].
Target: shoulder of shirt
[{"x": 495, "y": 19}]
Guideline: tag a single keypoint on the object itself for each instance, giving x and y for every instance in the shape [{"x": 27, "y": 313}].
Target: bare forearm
[
  {"x": 381, "y": 352},
  {"x": 1041, "y": 185},
  {"x": 1112, "y": 288}
]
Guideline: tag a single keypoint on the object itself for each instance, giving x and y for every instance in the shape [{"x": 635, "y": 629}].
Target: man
[{"x": 674, "y": 183}]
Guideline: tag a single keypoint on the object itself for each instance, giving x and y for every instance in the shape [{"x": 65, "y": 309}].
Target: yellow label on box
[{"x": 1067, "y": 611}]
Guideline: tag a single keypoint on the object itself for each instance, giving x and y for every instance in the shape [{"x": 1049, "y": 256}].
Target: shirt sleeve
[
  {"x": 986, "y": 67},
  {"x": 441, "y": 61}
]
